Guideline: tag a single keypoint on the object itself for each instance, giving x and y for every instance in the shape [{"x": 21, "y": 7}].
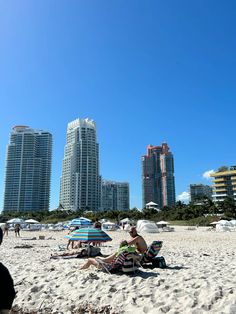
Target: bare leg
[{"x": 90, "y": 261}]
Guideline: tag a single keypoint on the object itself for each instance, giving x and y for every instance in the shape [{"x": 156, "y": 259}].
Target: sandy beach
[{"x": 200, "y": 277}]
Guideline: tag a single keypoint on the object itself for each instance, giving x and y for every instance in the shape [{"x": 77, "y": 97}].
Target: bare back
[{"x": 140, "y": 243}]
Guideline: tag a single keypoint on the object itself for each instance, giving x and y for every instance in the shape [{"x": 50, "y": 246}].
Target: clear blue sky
[{"x": 145, "y": 71}]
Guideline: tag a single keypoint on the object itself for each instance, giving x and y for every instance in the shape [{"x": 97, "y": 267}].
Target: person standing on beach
[
  {"x": 6, "y": 228},
  {"x": 137, "y": 240},
  {"x": 7, "y": 291},
  {"x": 17, "y": 230}
]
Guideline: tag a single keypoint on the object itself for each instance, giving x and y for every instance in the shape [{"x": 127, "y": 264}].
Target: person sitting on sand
[
  {"x": 77, "y": 254},
  {"x": 108, "y": 261},
  {"x": 7, "y": 291},
  {"x": 137, "y": 240}
]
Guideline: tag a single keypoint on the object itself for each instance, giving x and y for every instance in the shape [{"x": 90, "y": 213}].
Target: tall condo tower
[
  {"x": 28, "y": 170},
  {"x": 158, "y": 181},
  {"x": 80, "y": 186}
]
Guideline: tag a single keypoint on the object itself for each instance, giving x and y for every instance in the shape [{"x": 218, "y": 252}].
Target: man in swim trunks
[{"x": 137, "y": 240}]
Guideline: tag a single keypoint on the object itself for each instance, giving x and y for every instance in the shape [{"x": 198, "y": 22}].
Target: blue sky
[{"x": 145, "y": 71}]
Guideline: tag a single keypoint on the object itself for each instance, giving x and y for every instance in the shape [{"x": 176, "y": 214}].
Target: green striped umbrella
[{"x": 88, "y": 235}]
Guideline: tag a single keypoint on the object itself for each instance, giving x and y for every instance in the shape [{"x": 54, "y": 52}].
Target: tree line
[{"x": 200, "y": 213}]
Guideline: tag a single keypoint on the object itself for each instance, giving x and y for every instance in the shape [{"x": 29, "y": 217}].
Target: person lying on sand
[
  {"x": 81, "y": 253},
  {"x": 107, "y": 261},
  {"x": 137, "y": 240}
]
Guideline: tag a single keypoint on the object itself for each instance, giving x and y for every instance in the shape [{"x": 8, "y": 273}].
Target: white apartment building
[{"x": 80, "y": 185}]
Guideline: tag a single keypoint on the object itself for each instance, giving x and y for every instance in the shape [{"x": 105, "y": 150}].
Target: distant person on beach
[
  {"x": 71, "y": 242},
  {"x": 6, "y": 228},
  {"x": 137, "y": 240},
  {"x": 7, "y": 291},
  {"x": 17, "y": 230},
  {"x": 97, "y": 224}
]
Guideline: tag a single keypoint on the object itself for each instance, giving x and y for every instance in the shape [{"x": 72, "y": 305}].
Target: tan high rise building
[
  {"x": 158, "y": 181},
  {"x": 224, "y": 184}
]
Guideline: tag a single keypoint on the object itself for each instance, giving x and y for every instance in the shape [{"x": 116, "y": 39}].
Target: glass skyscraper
[
  {"x": 80, "y": 186},
  {"x": 115, "y": 195},
  {"x": 158, "y": 181},
  {"x": 28, "y": 170}
]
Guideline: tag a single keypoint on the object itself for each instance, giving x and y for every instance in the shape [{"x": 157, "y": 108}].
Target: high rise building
[
  {"x": 224, "y": 184},
  {"x": 115, "y": 195},
  {"x": 28, "y": 170},
  {"x": 80, "y": 186},
  {"x": 158, "y": 181},
  {"x": 199, "y": 191}
]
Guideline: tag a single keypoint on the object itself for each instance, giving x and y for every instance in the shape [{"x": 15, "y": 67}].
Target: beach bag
[
  {"x": 130, "y": 263},
  {"x": 159, "y": 262},
  {"x": 94, "y": 251}
]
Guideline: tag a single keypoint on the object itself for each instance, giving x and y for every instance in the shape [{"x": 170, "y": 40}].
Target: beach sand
[{"x": 200, "y": 276}]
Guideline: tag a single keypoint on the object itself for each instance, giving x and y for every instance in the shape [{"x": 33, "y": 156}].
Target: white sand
[{"x": 201, "y": 277}]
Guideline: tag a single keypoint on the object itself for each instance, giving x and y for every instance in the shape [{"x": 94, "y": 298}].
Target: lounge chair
[
  {"x": 125, "y": 262},
  {"x": 152, "y": 252}
]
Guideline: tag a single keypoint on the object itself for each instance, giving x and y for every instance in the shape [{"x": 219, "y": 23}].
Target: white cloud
[
  {"x": 206, "y": 174},
  {"x": 184, "y": 197}
]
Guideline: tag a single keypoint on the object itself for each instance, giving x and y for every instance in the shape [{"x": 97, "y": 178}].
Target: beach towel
[{"x": 131, "y": 262}]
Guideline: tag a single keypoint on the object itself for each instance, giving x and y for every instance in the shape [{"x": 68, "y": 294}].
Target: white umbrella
[
  {"x": 162, "y": 222},
  {"x": 125, "y": 220},
  {"x": 16, "y": 221},
  {"x": 214, "y": 223},
  {"x": 32, "y": 221},
  {"x": 233, "y": 222}
]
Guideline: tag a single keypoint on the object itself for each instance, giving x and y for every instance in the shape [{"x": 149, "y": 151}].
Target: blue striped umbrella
[
  {"x": 80, "y": 222},
  {"x": 88, "y": 235}
]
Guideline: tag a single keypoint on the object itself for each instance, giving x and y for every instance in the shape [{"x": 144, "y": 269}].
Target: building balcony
[
  {"x": 219, "y": 184},
  {"x": 223, "y": 173},
  {"x": 219, "y": 195},
  {"x": 218, "y": 180},
  {"x": 220, "y": 190}
]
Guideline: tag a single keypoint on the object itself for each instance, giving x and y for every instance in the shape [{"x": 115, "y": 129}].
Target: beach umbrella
[
  {"x": 214, "y": 223},
  {"x": 32, "y": 221},
  {"x": 125, "y": 220},
  {"x": 16, "y": 221},
  {"x": 88, "y": 235},
  {"x": 162, "y": 222},
  {"x": 80, "y": 222}
]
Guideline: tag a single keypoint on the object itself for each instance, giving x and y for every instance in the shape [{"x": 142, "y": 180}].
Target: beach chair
[
  {"x": 152, "y": 252},
  {"x": 126, "y": 262}
]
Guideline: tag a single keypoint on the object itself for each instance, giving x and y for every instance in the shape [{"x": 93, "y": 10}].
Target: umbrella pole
[{"x": 89, "y": 251}]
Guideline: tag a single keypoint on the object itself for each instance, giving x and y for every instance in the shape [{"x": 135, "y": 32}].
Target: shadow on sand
[
  {"x": 150, "y": 266},
  {"x": 138, "y": 273}
]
